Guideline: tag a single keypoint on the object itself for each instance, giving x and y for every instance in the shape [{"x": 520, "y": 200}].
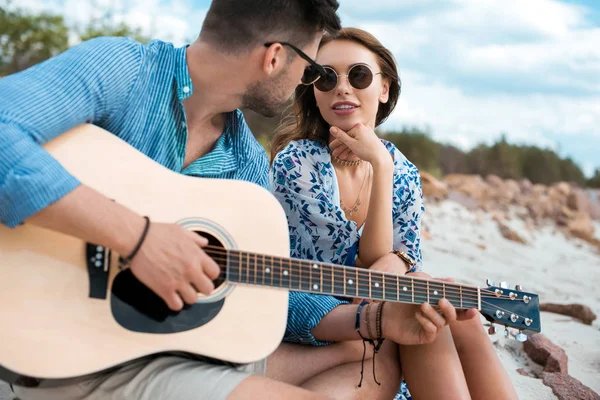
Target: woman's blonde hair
[{"x": 307, "y": 123}]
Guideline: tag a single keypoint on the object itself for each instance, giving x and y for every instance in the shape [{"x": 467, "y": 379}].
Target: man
[{"x": 179, "y": 107}]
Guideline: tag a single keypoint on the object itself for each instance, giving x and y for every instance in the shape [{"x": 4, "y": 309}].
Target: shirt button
[{"x": 186, "y": 89}]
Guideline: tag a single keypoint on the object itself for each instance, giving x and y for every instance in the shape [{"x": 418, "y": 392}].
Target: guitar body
[{"x": 67, "y": 309}]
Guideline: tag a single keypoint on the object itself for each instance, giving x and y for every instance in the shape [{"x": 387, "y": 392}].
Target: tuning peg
[
  {"x": 504, "y": 285},
  {"x": 521, "y": 337},
  {"x": 490, "y": 282},
  {"x": 519, "y": 288}
]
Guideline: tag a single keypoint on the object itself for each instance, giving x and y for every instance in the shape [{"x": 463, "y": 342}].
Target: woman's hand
[
  {"x": 359, "y": 142},
  {"x": 390, "y": 263},
  {"x": 409, "y": 324}
]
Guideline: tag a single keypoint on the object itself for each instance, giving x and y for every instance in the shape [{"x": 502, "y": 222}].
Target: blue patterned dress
[{"x": 305, "y": 183}]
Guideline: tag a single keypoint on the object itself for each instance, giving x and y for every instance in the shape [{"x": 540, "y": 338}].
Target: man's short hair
[{"x": 237, "y": 25}]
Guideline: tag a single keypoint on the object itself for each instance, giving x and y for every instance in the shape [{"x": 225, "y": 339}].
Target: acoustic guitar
[{"x": 68, "y": 309}]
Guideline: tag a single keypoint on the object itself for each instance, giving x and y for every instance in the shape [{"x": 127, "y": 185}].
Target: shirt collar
[
  {"x": 185, "y": 88},
  {"x": 223, "y": 158}
]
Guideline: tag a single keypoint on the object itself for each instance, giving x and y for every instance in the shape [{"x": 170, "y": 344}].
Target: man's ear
[
  {"x": 274, "y": 58},
  {"x": 385, "y": 91}
]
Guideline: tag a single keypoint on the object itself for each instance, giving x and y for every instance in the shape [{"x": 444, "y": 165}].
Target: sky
[{"x": 471, "y": 70}]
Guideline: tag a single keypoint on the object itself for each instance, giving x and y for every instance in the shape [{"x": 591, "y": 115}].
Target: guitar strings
[
  {"x": 450, "y": 289},
  {"x": 436, "y": 284},
  {"x": 302, "y": 263}
]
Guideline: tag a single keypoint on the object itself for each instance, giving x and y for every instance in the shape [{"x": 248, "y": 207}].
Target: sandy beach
[{"x": 467, "y": 245}]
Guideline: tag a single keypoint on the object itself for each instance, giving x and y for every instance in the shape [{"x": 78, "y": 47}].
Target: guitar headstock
[{"x": 512, "y": 308}]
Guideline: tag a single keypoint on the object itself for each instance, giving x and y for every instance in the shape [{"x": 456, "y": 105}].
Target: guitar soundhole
[
  {"x": 135, "y": 307},
  {"x": 216, "y": 255}
]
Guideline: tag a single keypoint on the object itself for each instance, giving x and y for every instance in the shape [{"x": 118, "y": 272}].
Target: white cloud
[
  {"x": 473, "y": 69},
  {"x": 177, "y": 21}
]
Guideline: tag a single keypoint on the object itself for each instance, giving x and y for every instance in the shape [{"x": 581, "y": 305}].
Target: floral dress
[{"x": 305, "y": 183}]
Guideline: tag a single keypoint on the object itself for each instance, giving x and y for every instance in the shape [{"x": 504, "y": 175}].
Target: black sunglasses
[
  {"x": 360, "y": 76},
  {"x": 313, "y": 72}
]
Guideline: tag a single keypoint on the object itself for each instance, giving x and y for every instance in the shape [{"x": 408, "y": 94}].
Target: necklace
[
  {"x": 357, "y": 203},
  {"x": 344, "y": 162}
]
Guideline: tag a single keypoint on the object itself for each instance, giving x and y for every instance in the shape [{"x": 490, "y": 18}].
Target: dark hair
[
  {"x": 307, "y": 123},
  {"x": 238, "y": 25}
]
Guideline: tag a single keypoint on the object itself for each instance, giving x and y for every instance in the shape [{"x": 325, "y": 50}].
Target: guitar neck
[{"x": 336, "y": 280}]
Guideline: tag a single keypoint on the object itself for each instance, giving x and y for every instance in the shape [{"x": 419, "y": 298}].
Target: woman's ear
[{"x": 385, "y": 91}]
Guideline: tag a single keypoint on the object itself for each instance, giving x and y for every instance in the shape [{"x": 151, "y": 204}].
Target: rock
[
  {"x": 494, "y": 180},
  {"x": 547, "y": 354},
  {"x": 577, "y": 200},
  {"x": 509, "y": 234},
  {"x": 433, "y": 187},
  {"x": 562, "y": 188},
  {"x": 470, "y": 185},
  {"x": 581, "y": 226},
  {"x": 525, "y": 185},
  {"x": 565, "y": 387},
  {"x": 578, "y": 311}
]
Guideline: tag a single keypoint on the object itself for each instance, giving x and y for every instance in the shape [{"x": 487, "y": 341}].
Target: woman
[{"x": 352, "y": 199}]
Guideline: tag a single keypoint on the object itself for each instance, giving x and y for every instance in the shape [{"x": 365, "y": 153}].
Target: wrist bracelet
[
  {"x": 357, "y": 322},
  {"x": 378, "y": 319},
  {"x": 137, "y": 248},
  {"x": 369, "y": 331}
]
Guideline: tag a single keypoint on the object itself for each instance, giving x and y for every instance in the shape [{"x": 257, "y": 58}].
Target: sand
[{"x": 559, "y": 269}]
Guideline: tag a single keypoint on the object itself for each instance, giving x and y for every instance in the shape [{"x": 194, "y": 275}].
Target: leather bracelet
[
  {"x": 378, "y": 319},
  {"x": 137, "y": 248},
  {"x": 357, "y": 322},
  {"x": 369, "y": 321}
]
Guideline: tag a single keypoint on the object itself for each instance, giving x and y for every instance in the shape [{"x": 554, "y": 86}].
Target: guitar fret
[
  {"x": 356, "y": 284},
  {"x": 461, "y": 299},
  {"x": 321, "y": 276},
  {"x": 428, "y": 292},
  {"x": 344, "y": 281},
  {"x": 363, "y": 287},
  {"x": 383, "y": 282},
  {"x": 370, "y": 284},
  {"x": 397, "y": 288},
  {"x": 412, "y": 291}
]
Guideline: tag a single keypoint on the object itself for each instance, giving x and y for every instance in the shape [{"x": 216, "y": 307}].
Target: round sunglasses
[{"x": 360, "y": 76}]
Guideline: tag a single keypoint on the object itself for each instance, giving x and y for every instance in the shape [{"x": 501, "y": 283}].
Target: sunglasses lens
[
  {"x": 360, "y": 76},
  {"x": 328, "y": 82},
  {"x": 311, "y": 74}
]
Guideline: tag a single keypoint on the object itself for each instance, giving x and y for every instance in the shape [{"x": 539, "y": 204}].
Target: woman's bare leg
[
  {"x": 485, "y": 374},
  {"x": 342, "y": 381},
  {"x": 433, "y": 371},
  {"x": 296, "y": 364}
]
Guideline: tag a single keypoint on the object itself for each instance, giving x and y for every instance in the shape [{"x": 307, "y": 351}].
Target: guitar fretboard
[{"x": 322, "y": 278}]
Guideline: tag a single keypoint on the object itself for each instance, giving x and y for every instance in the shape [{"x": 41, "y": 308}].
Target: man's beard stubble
[{"x": 266, "y": 98}]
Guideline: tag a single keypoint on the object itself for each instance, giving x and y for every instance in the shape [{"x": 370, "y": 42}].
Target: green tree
[
  {"x": 104, "y": 28},
  {"x": 594, "y": 181},
  {"x": 26, "y": 39}
]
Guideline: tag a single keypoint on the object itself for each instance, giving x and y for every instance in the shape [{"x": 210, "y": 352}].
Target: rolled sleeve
[
  {"x": 32, "y": 181},
  {"x": 305, "y": 312},
  {"x": 89, "y": 83}
]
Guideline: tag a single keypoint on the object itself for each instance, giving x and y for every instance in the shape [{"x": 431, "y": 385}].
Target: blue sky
[{"x": 471, "y": 69}]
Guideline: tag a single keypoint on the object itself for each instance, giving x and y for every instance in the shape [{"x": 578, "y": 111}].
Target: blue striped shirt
[{"x": 134, "y": 91}]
